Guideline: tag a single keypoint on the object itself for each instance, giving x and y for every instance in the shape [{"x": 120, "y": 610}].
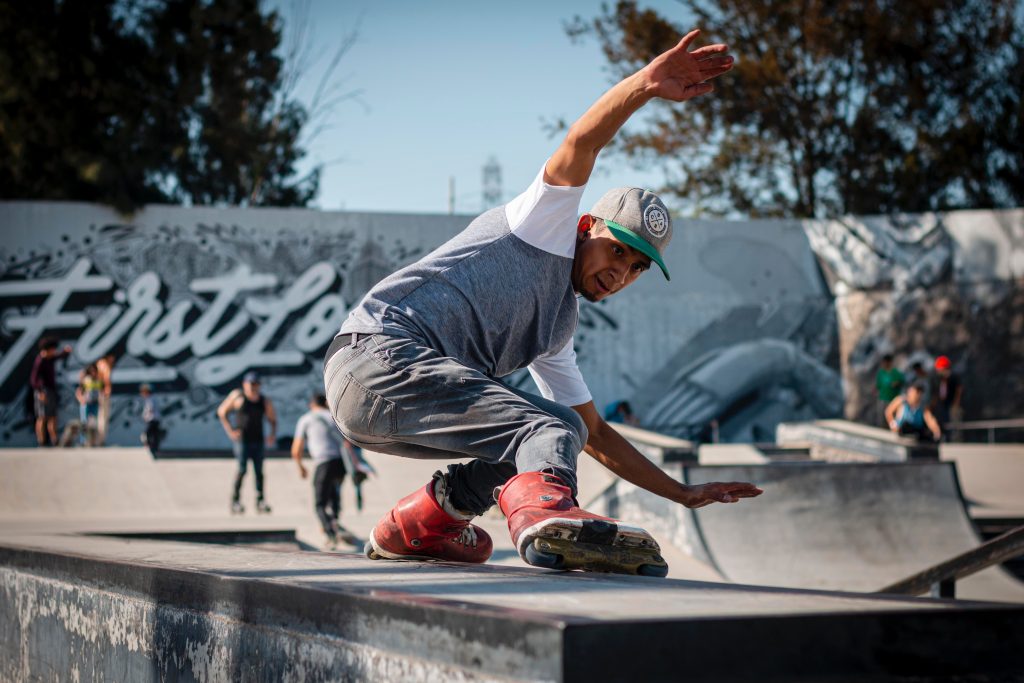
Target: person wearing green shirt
[{"x": 889, "y": 382}]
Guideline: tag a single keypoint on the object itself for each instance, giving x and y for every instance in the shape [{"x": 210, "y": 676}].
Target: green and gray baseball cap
[{"x": 638, "y": 218}]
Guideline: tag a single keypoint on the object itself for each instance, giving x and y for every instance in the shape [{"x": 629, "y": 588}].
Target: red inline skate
[
  {"x": 418, "y": 528},
  {"x": 550, "y": 530}
]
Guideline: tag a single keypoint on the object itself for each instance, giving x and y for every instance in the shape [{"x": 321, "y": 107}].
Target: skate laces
[{"x": 467, "y": 536}]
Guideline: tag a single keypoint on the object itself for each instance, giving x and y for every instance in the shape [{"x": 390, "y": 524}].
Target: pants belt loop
[{"x": 355, "y": 338}]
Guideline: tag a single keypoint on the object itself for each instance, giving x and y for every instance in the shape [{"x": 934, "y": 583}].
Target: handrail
[
  {"x": 987, "y": 425},
  {"x": 941, "y": 579}
]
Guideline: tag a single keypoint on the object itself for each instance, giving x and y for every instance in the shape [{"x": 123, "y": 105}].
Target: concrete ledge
[
  {"x": 844, "y": 441},
  {"x": 226, "y": 614},
  {"x": 657, "y": 447},
  {"x": 108, "y": 618}
]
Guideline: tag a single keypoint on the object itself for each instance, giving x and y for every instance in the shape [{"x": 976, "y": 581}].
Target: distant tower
[{"x": 491, "y": 184}]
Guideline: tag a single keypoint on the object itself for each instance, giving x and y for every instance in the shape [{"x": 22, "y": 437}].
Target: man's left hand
[
  {"x": 700, "y": 495},
  {"x": 679, "y": 75}
]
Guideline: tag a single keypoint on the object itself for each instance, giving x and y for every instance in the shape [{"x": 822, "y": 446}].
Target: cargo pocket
[{"x": 363, "y": 414}]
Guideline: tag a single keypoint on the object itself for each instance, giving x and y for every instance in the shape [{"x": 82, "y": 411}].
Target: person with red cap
[
  {"x": 946, "y": 395},
  {"x": 415, "y": 368}
]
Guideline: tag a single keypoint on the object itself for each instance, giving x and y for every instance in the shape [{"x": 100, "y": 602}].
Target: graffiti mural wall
[
  {"x": 189, "y": 300},
  {"x": 921, "y": 286},
  {"x": 746, "y": 334},
  {"x": 742, "y": 338}
]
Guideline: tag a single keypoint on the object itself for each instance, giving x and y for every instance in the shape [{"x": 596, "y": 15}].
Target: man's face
[
  {"x": 251, "y": 389},
  {"x": 603, "y": 265},
  {"x": 913, "y": 397}
]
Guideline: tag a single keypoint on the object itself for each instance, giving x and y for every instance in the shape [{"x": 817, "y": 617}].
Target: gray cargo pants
[{"x": 393, "y": 395}]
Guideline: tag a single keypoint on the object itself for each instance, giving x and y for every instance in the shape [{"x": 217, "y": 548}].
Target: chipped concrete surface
[{"x": 62, "y": 628}]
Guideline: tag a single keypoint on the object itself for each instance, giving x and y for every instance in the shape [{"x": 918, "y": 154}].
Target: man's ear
[{"x": 584, "y": 226}]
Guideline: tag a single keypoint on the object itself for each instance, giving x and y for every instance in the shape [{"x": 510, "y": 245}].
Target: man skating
[
  {"x": 250, "y": 408},
  {"x": 413, "y": 370}
]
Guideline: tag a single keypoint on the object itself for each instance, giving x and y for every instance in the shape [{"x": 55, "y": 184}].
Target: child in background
[
  {"x": 88, "y": 394},
  {"x": 151, "y": 416}
]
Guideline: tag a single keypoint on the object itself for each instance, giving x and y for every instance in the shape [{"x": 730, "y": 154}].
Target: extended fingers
[
  {"x": 733, "y": 491},
  {"x": 712, "y": 63},
  {"x": 683, "y": 44},
  {"x": 743, "y": 489},
  {"x": 694, "y": 90},
  {"x": 710, "y": 50}
]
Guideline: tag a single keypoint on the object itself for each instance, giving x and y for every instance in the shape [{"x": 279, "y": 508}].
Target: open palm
[
  {"x": 721, "y": 492},
  {"x": 679, "y": 75}
]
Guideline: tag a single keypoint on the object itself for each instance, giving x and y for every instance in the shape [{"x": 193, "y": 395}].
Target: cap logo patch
[{"x": 656, "y": 220}]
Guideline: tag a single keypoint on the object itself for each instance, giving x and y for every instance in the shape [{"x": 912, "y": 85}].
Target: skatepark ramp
[
  {"x": 853, "y": 526},
  {"x": 78, "y": 608}
]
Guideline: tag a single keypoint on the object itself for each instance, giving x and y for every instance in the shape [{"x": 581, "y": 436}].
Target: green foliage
[
  {"x": 836, "y": 106},
  {"x": 127, "y": 102}
]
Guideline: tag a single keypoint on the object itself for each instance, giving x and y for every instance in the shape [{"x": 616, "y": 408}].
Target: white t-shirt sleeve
[
  {"x": 545, "y": 216},
  {"x": 559, "y": 378}
]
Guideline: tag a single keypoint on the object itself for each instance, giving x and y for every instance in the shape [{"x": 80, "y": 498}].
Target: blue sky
[{"x": 446, "y": 86}]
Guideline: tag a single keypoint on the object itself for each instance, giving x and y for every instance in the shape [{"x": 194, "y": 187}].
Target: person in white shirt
[{"x": 315, "y": 431}]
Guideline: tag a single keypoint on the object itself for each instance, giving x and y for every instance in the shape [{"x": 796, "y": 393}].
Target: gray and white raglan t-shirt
[
  {"x": 317, "y": 429},
  {"x": 497, "y": 297}
]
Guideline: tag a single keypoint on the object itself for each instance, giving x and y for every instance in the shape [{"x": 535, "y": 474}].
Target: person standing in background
[
  {"x": 43, "y": 380},
  {"x": 250, "y": 408},
  {"x": 151, "y": 417},
  {"x": 918, "y": 375},
  {"x": 889, "y": 383},
  {"x": 88, "y": 394},
  {"x": 105, "y": 369},
  {"x": 947, "y": 393}
]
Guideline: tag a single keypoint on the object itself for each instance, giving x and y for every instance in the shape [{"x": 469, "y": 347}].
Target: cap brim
[{"x": 630, "y": 238}]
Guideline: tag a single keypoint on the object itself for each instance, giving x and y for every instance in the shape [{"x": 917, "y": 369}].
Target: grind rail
[{"x": 940, "y": 580}]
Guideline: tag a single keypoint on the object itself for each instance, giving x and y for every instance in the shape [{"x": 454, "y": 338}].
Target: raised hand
[
  {"x": 720, "y": 492},
  {"x": 679, "y": 75}
]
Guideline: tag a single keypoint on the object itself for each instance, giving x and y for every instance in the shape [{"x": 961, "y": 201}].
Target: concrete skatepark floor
[{"x": 54, "y": 503}]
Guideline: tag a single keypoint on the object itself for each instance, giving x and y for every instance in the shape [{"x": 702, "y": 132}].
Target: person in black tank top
[
  {"x": 250, "y": 408},
  {"x": 249, "y": 418}
]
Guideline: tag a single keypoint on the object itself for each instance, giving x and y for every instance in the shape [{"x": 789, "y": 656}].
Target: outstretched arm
[
  {"x": 676, "y": 75},
  {"x": 609, "y": 448}
]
